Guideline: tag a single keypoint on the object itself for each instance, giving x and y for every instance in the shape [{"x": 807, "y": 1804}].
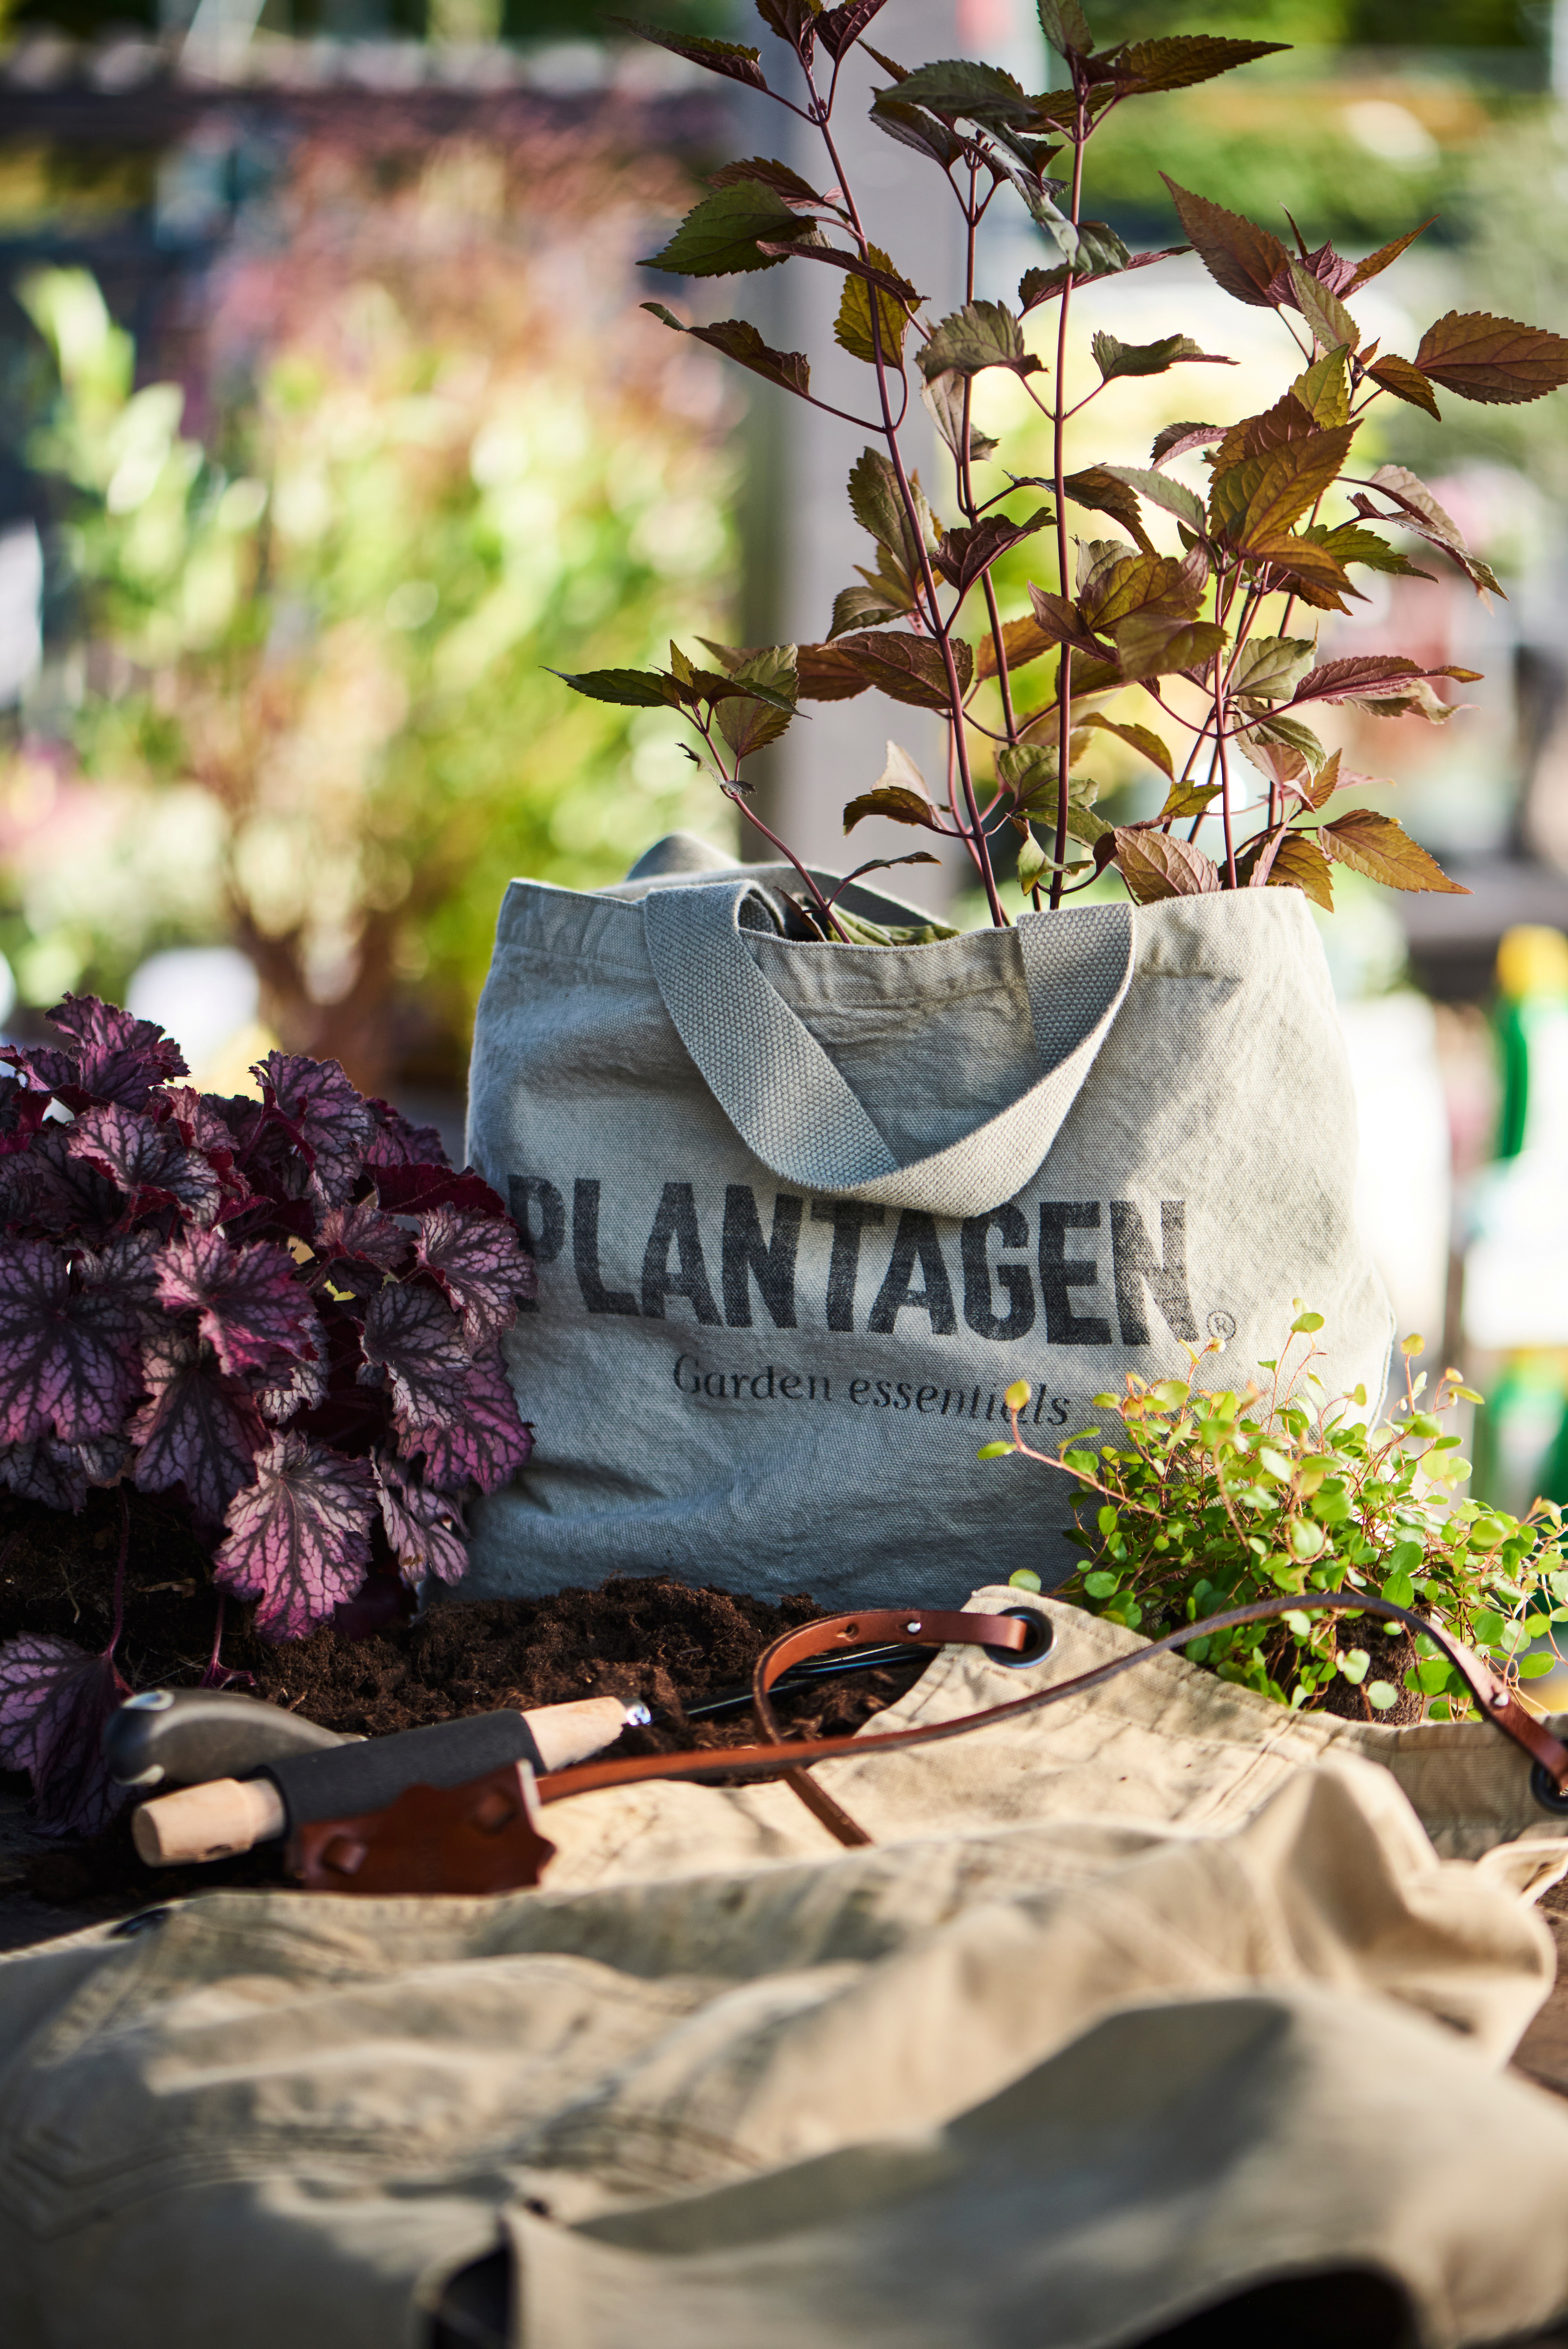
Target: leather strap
[{"x": 789, "y": 1758}]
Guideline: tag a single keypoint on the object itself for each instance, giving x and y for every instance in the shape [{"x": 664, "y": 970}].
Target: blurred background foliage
[{"x": 302, "y": 700}]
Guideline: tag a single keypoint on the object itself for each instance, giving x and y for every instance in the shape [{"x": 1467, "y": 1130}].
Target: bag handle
[{"x": 794, "y": 1110}]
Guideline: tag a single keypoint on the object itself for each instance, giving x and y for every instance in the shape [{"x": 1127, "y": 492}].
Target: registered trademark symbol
[{"x": 1222, "y": 1326}]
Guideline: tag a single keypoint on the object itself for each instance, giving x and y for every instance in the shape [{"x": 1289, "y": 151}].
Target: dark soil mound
[{"x": 649, "y": 1639}]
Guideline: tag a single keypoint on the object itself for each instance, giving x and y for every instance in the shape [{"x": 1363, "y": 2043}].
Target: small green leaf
[
  {"x": 1324, "y": 311},
  {"x": 982, "y": 335},
  {"x": 1535, "y": 1668},
  {"x": 1099, "y": 1584},
  {"x": 1114, "y": 358},
  {"x": 720, "y": 235},
  {"x": 1381, "y": 1695},
  {"x": 1305, "y": 1323},
  {"x": 994, "y": 1452},
  {"x": 1159, "y": 489},
  {"x": 1353, "y": 1665},
  {"x": 1026, "y": 1578}
]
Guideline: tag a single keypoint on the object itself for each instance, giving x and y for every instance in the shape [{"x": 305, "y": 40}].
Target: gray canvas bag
[{"x": 801, "y": 1212}]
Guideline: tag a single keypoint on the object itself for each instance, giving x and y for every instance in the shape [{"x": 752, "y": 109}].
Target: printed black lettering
[
  {"x": 827, "y": 1391},
  {"x": 990, "y": 1405},
  {"x": 1135, "y": 1262},
  {"x": 979, "y": 1305},
  {"x": 790, "y": 1384},
  {"x": 696, "y": 1387},
  {"x": 916, "y": 1243},
  {"x": 771, "y": 1262},
  {"x": 947, "y": 1395},
  {"x": 859, "y": 1390},
  {"x": 677, "y": 1221},
  {"x": 884, "y": 1395},
  {"x": 545, "y": 1244},
  {"x": 713, "y": 1385},
  {"x": 585, "y": 1253},
  {"x": 767, "y": 1393},
  {"x": 904, "y": 1397},
  {"x": 849, "y": 1218},
  {"x": 925, "y": 1398},
  {"x": 1059, "y": 1272},
  {"x": 1059, "y": 1410}
]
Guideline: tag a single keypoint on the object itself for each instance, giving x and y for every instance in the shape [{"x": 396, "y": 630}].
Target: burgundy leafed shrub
[{"x": 285, "y": 1312}]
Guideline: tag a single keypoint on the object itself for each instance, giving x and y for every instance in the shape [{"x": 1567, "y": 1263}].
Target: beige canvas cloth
[
  {"x": 1131, "y": 2004},
  {"x": 802, "y": 1211}
]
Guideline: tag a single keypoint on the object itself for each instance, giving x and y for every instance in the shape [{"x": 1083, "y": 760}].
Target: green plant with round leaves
[{"x": 1194, "y": 1500}]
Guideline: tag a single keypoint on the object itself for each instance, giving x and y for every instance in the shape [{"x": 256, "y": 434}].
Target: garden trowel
[{"x": 250, "y": 1772}]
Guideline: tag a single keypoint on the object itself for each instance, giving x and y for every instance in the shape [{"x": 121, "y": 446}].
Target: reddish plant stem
[
  {"x": 940, "y": 628},
  {"x": 1065, "y": 684}
]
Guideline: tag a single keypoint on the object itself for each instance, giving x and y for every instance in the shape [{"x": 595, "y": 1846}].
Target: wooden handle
[
  {"x": 212, "y": 1822},
  {"x": 565, "y": 1734}
]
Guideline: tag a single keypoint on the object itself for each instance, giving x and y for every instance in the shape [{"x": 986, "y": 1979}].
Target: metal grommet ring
[
  {"x": 1547, "y": 1792},
  {"x": 1036, "y": 1650}
]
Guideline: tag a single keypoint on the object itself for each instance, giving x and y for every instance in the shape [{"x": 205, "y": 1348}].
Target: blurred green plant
[
  {"x": 1207, "y": 1501},
  {"x": 315, "y": 638}
]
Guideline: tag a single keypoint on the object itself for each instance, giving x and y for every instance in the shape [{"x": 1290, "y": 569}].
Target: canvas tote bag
[{"x": 801, "y": 1212}]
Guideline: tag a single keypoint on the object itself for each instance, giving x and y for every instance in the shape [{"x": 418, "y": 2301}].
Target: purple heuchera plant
[{"x": 286, "y": 1312}]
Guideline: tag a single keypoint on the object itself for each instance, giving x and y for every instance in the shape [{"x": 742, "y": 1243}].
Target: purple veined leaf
[
  {"x": 334, "y": 1122},
  {"x": 201, "y": 1125},
  {"x": 197, "y": 1429},
  {"x": 479, "y": 1266},
  {"x": 251, "y": 1305},
  {"x": 147, "y": 1162},
  {"x": 412, "y": 1190},
  {"x": 361, "y": 1237},
  {"x": 55, "y": 1700},
  {"x": 56, "y": 1193},
  {"x": 424, "y": 1527},
  {"x": 45, "y": 1471},
  {"x": 396, "y": 1142},
  {"x": 126, "y": 1267},
  {"x": 298, "y": 1539},
  {"x": 302, "y": 1390},
  {"x": 68, "y": 1354},
  {"x": 114, "y": 1058},
  {"x": 487, "y": 1442},
  {"x": 413, "y": 1337}
]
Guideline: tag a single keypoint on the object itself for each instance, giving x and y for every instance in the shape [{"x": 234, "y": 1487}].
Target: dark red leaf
[
  {"x": 197, "y": 1429},
  {"x": 1369, "y": 674},
  {"x": 251, "y": 1305},
  {"x": 411, "y": 1190},
  {"x": 1236, "y": 252},
  {"x": 424, "y": 1527},
  {"x": 150, "y": 1163},
  {"x": 486, "y": 1440},
  {"x": 838, "y": 29},
  {"x": 22, "y": 1109},
  {"x": 480, "y": 1265},
  {"x": 397, "y": 1142},
  {"x": 332, "y": 1122},
  {"x": 55, "y": 1700},
  {"x": 298, "y": 1539},
  {"x": 126, "y": 1267},
  {"x": 68, "y": 1354}
]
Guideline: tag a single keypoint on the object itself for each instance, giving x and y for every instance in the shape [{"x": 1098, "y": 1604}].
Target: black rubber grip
[{"x": 346, "y": 1780}]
